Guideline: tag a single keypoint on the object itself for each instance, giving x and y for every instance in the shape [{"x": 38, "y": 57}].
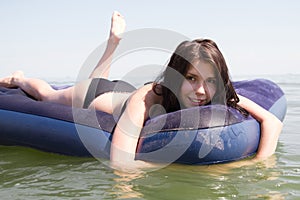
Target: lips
[{"x": 197, "y": 102}]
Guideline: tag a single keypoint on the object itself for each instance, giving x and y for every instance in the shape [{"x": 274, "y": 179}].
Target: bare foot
[
  {"x": 117, "y": 27},
  {"x": 10, "y": 81}
]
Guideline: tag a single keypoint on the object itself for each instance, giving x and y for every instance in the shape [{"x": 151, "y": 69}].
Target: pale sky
[{"x": 53, "y": 38}]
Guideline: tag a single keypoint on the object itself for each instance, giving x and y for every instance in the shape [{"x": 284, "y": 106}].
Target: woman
[{"x": 196, "y": 75}]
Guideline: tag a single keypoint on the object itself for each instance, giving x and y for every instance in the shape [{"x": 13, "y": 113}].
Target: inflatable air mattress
[{"x": 200, "y": 135}]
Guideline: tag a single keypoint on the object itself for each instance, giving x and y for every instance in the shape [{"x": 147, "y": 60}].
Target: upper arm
[
  {"x": 140, "y": 102},
  {"x": 258, "y": 112}
]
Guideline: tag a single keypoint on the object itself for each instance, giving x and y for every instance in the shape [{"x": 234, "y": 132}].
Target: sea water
[{"x": 30, "y": 174}]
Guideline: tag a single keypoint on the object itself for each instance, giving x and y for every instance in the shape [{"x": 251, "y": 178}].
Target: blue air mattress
[{"x": 200, "y": 135}]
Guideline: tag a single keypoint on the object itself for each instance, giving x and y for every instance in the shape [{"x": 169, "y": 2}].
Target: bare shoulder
[
  {"x": 149, "y": 95},
  {"x": 146, "y": 95}
]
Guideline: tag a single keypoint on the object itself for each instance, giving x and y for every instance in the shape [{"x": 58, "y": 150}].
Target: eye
[
  {"x": 190, "y": 78},
  {"x": 211, "y": 81}
]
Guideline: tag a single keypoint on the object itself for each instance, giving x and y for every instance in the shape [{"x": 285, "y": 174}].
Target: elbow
[
  {"x": 274, "y": 127},
  {"x": 270, "y": 118},
  {"x": 276, "y": 123}
]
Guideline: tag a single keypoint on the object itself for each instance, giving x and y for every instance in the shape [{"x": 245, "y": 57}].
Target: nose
[{"x": 200, "y": 89}]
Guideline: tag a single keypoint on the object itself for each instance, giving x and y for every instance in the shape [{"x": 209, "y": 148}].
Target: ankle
[{"x": 113, "y": 40}]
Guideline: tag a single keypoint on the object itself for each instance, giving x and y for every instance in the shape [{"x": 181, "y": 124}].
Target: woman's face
[{"x": 199, "y": 85}]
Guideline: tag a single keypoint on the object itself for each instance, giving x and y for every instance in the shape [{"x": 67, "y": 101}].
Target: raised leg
[
  {"x": 42, "y": 91},
  {"x": 102, "y": 69},
  {"x": 118, "y": 25}
]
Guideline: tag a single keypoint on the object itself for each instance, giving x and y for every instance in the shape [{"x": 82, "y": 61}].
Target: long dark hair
[{"x": 188, "y": 52}]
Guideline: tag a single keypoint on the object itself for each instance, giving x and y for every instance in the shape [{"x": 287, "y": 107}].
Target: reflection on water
[
  {"x": 37, "y": 175},
  {"x": 213, "y": 182},
  {"x": 125, "y": 187},
  {"x": 31, "y": 174}
]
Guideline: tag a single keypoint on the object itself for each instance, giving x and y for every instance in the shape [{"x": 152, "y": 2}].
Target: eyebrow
[{"x": 194, "y": 74}]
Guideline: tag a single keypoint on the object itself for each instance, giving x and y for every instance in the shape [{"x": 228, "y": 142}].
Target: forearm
[
  {"x": 270, "y": 131},
  {"x": 270, "y": 127},
  {"x": 124, "y": 142},
  {"x": 122, "y": 156}
]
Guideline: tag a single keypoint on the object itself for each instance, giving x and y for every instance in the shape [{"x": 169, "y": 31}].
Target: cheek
[
  {"x": 181, "y": 92},
  {"x": 185, "y": 88},
  {"x": 211, "y": 90}
]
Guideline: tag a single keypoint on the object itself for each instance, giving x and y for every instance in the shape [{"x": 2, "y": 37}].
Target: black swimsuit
[{"x": 100, "y": 86}]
